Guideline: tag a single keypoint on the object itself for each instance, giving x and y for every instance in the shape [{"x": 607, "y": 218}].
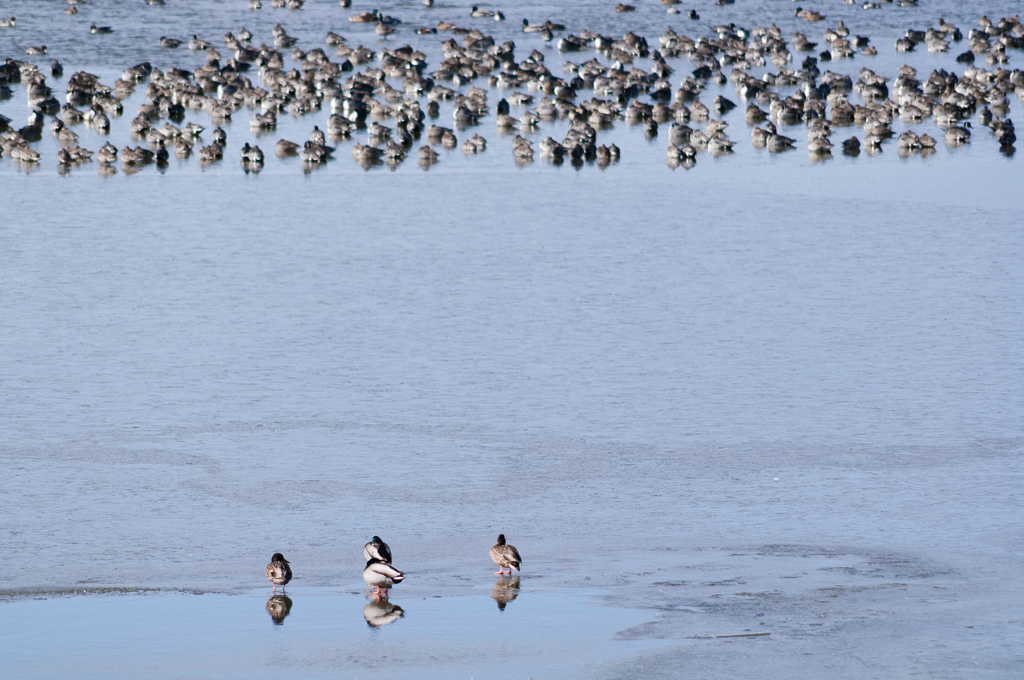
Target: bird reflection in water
[
  {"x": 279, "y": 606},
  {"x": 504, "y": 591},
  {"x": 381, "y": 612}
]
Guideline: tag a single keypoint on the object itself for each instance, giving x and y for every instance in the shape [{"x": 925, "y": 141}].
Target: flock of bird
[
  {"x": 382, "y": 575},
  {"x": 364, "y": 100}
]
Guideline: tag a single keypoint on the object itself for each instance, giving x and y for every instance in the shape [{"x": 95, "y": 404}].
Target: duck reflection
[
  {"x": 381, "y": 612},
  {"x": 504, "y": 591},
  {"x": 279, "y": 606}
]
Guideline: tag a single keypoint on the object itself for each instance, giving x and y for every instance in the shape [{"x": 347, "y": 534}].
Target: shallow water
[
  {"x": 320, "y": 633},
  {"x": 761, "y": 391}
]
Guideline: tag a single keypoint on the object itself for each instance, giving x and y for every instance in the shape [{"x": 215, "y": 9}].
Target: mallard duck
[
  {"x": 480, "y": 13},
  {"x": 252, "y": 154},
  {"x": 182, "y": 147},
  {"x": 819, "y": 145},
  {"x": 211, "y": 153},
  {"x": 363, "y": 17},
  {"x": 377, "y": 549},
  {"x": 386, "y": 19},
  {"x": 505, "y": 555},
  {"x": 808, "y": 14},
  {"x": 286, "y": 148},
  {"x": 279, "y": 606},
  {"x": 197, "y": 44},
  {"x": 958, "y": 134},
  {"x": 379, "y": 613},
  {"x": 107, "y": 154},
  {"x": 777, "y": 142},
  {"x": 279, "y": 571},
  {"x": 381, "y": 576},
  {"x": 908, "y": 140},
  {"x": 532, "y": 28}
]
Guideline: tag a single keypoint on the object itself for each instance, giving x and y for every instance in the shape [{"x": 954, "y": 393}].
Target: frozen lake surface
[{"x": 765, "y": 394}]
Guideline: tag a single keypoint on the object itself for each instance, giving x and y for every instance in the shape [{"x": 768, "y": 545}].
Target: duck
[
  {"x": 378, "y": 549},
  {"x": 777, "y": 142},
  {"x": 107, "y": 154},
  {"x": 100, "y": 30},
  {"x": 182, "y": 147},
  {"x": 252, "y": 154},
  {"x": 312, "y": 152},
  {"x": 480, "y": 13},
  {"x": 958, "y": 134},
  {"x": 427, "y": 155},
  {"x": 286, "y": 148},
  {"x": 136, "y": 156},
  {"x": 197, "y": 44},
  {"x": 532, "y": 28},
  {"x": 505, "y": 555},
  {"x": 819, "y": 145},
  {"x": 363, "y": 17},
  {"x": 35, "y": 51},
  {"x": 808, "y": 14},
  {"x": 317, "y": 136},
  {"x": 169, "y": 43},
  {"x": 381, "y": 576},
  {"x": 8, "y": 23},
  {"x": 719, "y": 145},
  {"x": 209, "y": 154},
  {"x": 279, "y": 571},
  {"x": 908, "y": 140}
]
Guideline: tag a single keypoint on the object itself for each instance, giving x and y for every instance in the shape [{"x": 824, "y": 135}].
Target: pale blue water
[
  {"x": 325, "y": 634},
  {"x": 635, "y": 373}
]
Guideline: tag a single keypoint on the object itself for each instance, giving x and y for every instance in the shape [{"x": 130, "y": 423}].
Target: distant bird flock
[{"x": 390, "y": 93}]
